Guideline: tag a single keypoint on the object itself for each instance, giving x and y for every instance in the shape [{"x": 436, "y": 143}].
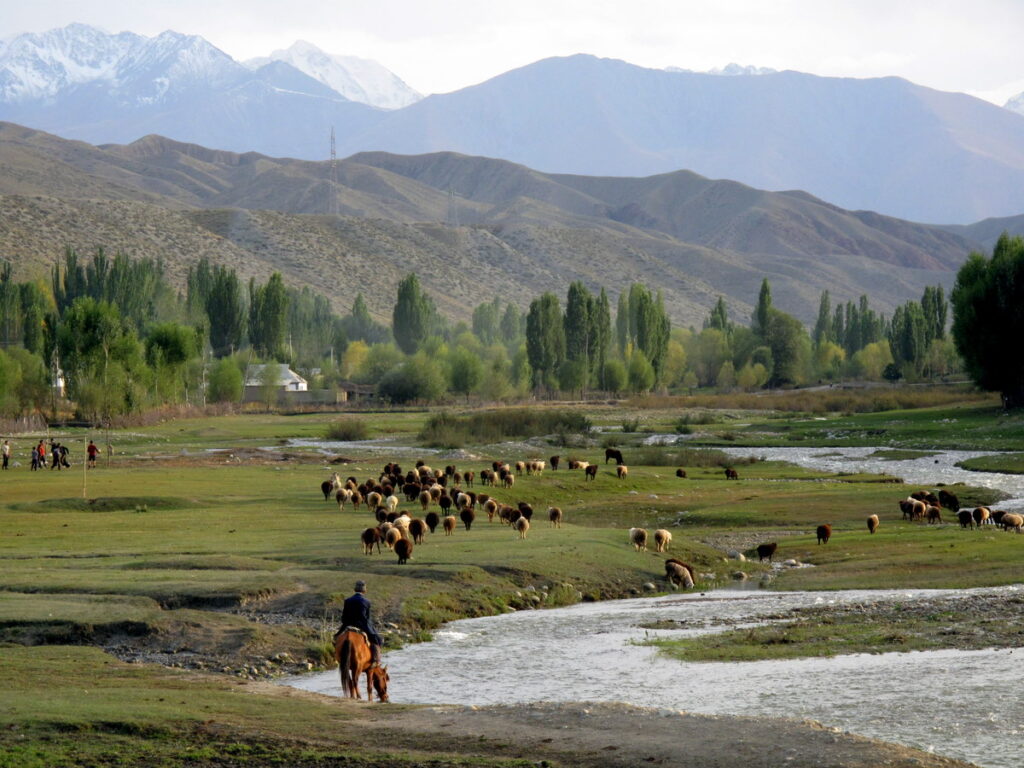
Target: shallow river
[{"x": 965, "y": 704}]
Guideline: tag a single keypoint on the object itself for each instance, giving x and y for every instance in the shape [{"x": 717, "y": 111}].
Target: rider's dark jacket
[{"x": 356, "y": 613}]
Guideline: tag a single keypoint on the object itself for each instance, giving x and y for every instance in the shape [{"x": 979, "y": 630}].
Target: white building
[{"x": 287, "y": 380}]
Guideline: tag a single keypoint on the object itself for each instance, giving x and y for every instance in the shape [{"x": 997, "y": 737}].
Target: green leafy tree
[
  {"x": 615, "y": 376},
  {"x": 641, "y": 372},
  {"x": 823, "y": 332},
  {"x": 412, "y": 315},
  {"x": 988, "y": 319},
  {"x": 466, "y": 371},
  {"x": 789, "y": 346},
  {"x": 762, "y": 312},
  {"x": 545, "y": 339},
  {"x": 268, "y": 317},
  {"x": 225, "y": 382},
  {"x": 935, "y": 309},
  {"x": 719, "y": 317},
  {"x": 486, "y": 321},
  {"x": 908, "y": 337},
  {"x": 511, "y": 327}
]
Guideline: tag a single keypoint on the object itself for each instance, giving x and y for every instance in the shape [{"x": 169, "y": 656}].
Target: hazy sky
[{"x": 442, "y": 45}]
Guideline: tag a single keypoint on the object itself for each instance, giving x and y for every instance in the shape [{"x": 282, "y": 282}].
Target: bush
[
  {"x": 445, "y": 430},
  {"x": 348, "y": 429},
  {"x": 225, "y": 384}
]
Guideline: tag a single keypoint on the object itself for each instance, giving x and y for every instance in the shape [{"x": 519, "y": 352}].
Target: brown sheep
[
  {"x": 508, "y": 480},
  {"x": 872, "y": 523},
  {"x": 621, "y": 470},
  {"x": 824, "y": 533},
  {"x": 1012, "y": 520},
  {"x": 949, "y": 501},
  {"x": 357, "y": 499},
  {"x": 638, "y": 538},
  {"x": 553, "y": 461},
  {"x": 373, "y": 500},
  {"x": 996, "y": 518},
  {"x": 522, "y": 525},
  {"x": 449, "y": 525},
  {"x": 490, "y": 506},
  {"x": 731, "y": 474},
  {"x": 342, "y": 495},
  {"x": 467, "y": 478},
  {"x": 432, "y": 520},
  {"x": 662, "y": 540},
  {"x": 425, "y": 499},
  {"x": 966, "y": 518},
  {"x": 392, "y": 537},
  {"x": 981, "y": 516},
  {"x": 325, "y": 488},
  {"x": 766, "y": 550},
  {"x": 590, "y": 471},
  {"x": 418, "y": 530},
  {"x": 468, "y": 516},
  {"x": 520, "y": 467},
  {"x": 934, "y": 514},
  {"x": 370, "y": 537},
  {"x": 555, "y": 517},
  {"x": 678, "y": 573},
  {"x": 403, "y": 548},
  {"x": 681, "y": 473}
]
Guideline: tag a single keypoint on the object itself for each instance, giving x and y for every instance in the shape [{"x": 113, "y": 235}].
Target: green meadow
[{"x": 183, "y": 544}]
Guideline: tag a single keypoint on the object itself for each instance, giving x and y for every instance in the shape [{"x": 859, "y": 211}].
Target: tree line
[{"x": 124, "y": 340}]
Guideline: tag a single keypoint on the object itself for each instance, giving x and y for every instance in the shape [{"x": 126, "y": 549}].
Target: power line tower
[{"x": 332, "y": 206}]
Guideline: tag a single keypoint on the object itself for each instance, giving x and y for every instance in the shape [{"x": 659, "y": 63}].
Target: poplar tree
[{"x": 411, "y": 319}]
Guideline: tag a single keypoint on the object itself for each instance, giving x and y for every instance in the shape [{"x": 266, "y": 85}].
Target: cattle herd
[{"x": 448, "y": 497}]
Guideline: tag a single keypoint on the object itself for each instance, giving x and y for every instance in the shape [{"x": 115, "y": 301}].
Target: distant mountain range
[
  {"x": 471, "y": 227},
  {"x": 880, "y": 144}
]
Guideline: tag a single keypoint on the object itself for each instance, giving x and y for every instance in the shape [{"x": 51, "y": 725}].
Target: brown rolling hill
[{"x": 472, "y": 228}]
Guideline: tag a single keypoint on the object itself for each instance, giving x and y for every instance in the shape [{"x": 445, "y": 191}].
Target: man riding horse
[{"x": 355, "y": 614}]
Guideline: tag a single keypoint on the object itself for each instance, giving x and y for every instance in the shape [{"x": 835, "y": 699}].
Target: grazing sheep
[
  {"x": 370, "y": 537},
  {"x": 913, "y": 509},
  {"x": 949, "y": 501},
  {"x": 613, "y": 453},
  {"x": 681, "y": 472},
  {"x": 382, "y": 514},
  {"x": 622, "y": 470},
  {"x": 525, "y": 510},
  {"x": 996, "y": 518},
  {"x": 766, "y": 550},
  {"x": 926, "y": 496},
  {"x": 553, "y": 461},
  {"x": 966, "y": 518},
  {"x": 520, "y": 467},
  {"x": 325, "y": 488},
  {"x": 508, "y": 480},
  {"x": 432, "y": 519},
  {"x": 491, "y": 507},
  {"x": 872, "y": 523},
  {"x": 590, "y": 472},
  {"x": 356, "y": 499},
  {"x": 522, "y": 525},
  {"x": 392, "y": 536},
  {"x": 445, "y": 502},
  {"x": 425, "y": 499},
  {"x": 342, "y": 495},
  {"x": 403, "y": 548},
  {"x": 1012, "y": 520},
  {"x": 467, "y": 478},
  {"x": 824, "y": 533},
  {"x": 486, "y": 477},
  {"x": 555, "y": 517},
  {"x": 678, "y": 573},
  {"x": 662, "y": 540},
  {"x": 638, "y": 538},
  {"x": 418, "y": 530},
  {"x": 449, "y": 525},
  {"x": 731, "y": 474},
  {"x": 981, "y": 516},
  {"x": 373, "y": 499},
  {"x": 468, "y": 516},
  {"x": 391, "y": 502},
  {"x": 934, "y": 514}
]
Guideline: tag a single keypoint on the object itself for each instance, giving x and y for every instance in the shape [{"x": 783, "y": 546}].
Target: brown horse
[{"x": 352, "y": 652}]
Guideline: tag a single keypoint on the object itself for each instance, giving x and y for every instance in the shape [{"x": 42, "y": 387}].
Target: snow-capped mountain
[
  {"x": 1016, "y": 104},
  {"x": 356, "y": 79},
  {"x": 729, "y": 70}
]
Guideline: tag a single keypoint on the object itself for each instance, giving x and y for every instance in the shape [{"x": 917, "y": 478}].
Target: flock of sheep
[{"x": 445, "y": 498}]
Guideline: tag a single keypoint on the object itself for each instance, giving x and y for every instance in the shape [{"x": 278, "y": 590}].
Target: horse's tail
[{"x": 344, "y": 655}]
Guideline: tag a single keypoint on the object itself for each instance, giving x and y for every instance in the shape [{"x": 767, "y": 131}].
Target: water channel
[{"x": 965, "y": 704}]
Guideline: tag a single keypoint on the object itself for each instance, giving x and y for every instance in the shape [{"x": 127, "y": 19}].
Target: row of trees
[{"x": 123, "y": 347}]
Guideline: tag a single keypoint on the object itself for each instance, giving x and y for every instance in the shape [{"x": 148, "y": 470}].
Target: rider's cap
[{"x": 360, "y": 586}]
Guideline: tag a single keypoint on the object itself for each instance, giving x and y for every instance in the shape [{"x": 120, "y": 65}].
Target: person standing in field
[
  {"x": 41, "y": 453},
  {"x": 92, "y": 451},
  {"x": 6, "y": 453}
]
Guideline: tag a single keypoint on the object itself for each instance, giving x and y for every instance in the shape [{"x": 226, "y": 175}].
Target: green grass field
[{"x": 191, "y": 529}]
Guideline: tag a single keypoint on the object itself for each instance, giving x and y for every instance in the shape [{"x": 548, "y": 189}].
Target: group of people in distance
[{"x": 58, "y": 455}]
